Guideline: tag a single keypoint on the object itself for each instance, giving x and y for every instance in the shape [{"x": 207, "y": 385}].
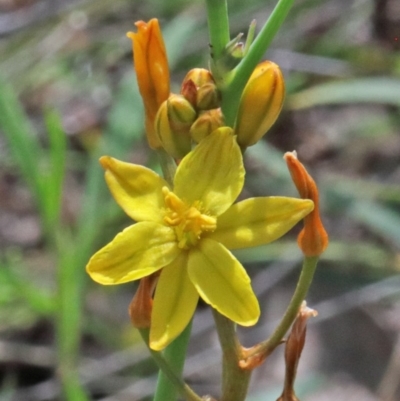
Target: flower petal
[
  {"x": 212, "y": 173},
  {"x": 258, "y": 221},
  {"x": 174, "y": 303},
  {"x": 222, "y": 282},
  {"x": 134, "y": 253},
  {"x": 136, "y": 189}
]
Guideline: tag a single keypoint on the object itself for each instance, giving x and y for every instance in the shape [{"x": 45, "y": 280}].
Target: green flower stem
[
  {"x": 235, "y": 380},
  {"x": 168, "y": 165},
  {"x": 303, "y": 285},
  {"x": 171, "y": 366},
  {"x": 240, "y": 75},
  {"x": 218, "y": 26}
]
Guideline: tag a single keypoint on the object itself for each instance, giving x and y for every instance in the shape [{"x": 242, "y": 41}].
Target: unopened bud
[
  {"x": 207, "y": 122},
  {"x": 152, "y": 72},
  {"x": 181, "y": 114},
  {"x": 189, "y": 91},
  {"x": 142, "y": 303},
  {"x": 207, "y": 97},
  {"x": 199, "y": 76},
  {"x": 313, "y": 238},
  {"x": 260, "y": 104},
  {"x": 177, "y": 141}
]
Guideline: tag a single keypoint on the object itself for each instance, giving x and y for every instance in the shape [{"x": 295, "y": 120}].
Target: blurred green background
[{"x": 68, "y": 95}]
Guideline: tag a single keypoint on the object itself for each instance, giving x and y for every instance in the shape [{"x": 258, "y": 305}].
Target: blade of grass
[
  {"x": 21, "y": 139},
  {"x": 366, "y": 90},
  {"x": 56, "y": 167},
  {"x": 380, "y": 219}
]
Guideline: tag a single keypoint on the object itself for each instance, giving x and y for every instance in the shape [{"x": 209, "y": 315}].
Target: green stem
[
  {"x": 303, "y": 285},
  {"x": 171, "y": 366},
  {"x": 218, "y": 26},
  {"x": 240, "y": 75},
  {"x": 235, "y": 380}
]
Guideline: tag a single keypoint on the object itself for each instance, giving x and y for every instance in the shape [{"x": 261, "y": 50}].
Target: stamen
[{"x": 188, "y": 221}]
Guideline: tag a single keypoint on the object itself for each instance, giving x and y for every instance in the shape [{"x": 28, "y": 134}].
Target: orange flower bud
[
  {"x": 199, "y": 88},
  {"x": 207, "y": 122},
  {"x": 260, "y": 104},
  {"x": 313, "y": 239},
  {"x": 199, "y": 76},
  {"x": 151, "y": 65},
  {"x": 142, "y": 303},
  {"x": 189, "y": 91}
]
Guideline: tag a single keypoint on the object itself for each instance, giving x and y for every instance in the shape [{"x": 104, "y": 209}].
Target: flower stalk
[
  {"x": 171, "y": 364},
  {"x": 265, "y": 348},
  {"x": 235, "y": 379}
]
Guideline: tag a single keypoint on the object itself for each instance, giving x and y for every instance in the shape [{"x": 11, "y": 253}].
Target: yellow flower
[
  {"x": 151, "y": 65},
  {"x": 187, "y": 230}
]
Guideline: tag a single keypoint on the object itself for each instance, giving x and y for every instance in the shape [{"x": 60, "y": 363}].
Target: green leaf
[
  {"x": 380, "y": 219},
  {"x": 366, "y": 90}
]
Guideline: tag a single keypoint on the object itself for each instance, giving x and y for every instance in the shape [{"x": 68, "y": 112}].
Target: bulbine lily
[{"x": 186, "y": 232}]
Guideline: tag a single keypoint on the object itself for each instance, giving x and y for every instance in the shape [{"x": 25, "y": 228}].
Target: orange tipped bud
[
  {"x": 199, "y": 76},
  {"x": 152, "y": 73},
  {"x": 313, "y": 239},
  {"x": 207, "y": 122},
  {"x": 189, "y": 91},
  {"x": 199, "y": 88},
  {"x": 142, "y": 303},
  {"x": 171, "y": 130},
  {"x": 260, "y": 104}
]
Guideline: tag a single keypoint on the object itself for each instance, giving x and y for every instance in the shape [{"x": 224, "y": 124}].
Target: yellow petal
[
  {"x": 136, "y": 189},
  {"x": 222, "y": 282},
  {"x": 174, "y": 303},
  {"x": 134, "y": 253},
  {"x": 258, "y": 221},
  {"x": 212, "y": 173}
]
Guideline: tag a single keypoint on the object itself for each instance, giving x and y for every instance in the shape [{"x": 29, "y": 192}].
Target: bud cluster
[
  {"x": 191, "y": 115},
  {"x": 195, "y": 112}
]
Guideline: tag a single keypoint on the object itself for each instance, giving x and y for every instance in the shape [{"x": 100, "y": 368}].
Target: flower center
[{"x": 188, "y": 221}]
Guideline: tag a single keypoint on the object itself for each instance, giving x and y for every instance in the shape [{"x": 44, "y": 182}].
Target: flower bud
[
  {"x": 199, "y": 76},
  {"x": 200, "y": 90},
  {"x": 260, "y": 104},
  {"x": 189, "y": 91},
  {"x": 176, "y": 141},
  {"x": 313, "y": 239},
  {"x": 207, "y": 97},
  {"x": 181, "y": 114},
  {"x": 152, "y": 73},
  {"x": 207, "y": 122}
]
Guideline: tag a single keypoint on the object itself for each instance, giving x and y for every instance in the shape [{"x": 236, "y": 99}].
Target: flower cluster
[{"x": 185, "y": 229}]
